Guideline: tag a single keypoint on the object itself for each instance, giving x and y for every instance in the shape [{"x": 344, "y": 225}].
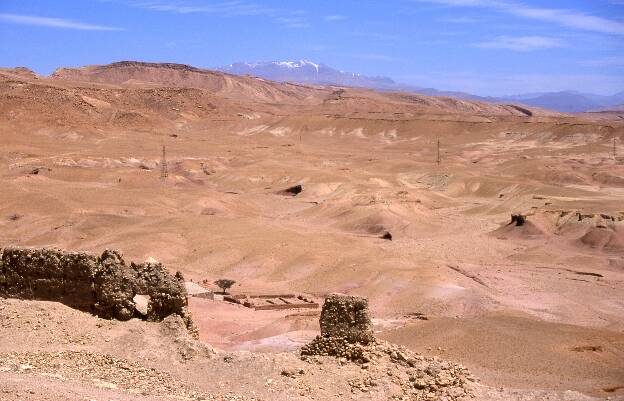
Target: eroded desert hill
[
  {"x": 163, "y": 81},
  {"x": 139, "y": 74},
  {"x": 81, "y": 166}
]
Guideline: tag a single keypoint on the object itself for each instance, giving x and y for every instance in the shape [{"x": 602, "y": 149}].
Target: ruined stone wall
[
  {"x": 48, "y": 274},
  {"x": 102, "y": 285},
  {"x": 346, "y": 316},
  {"x": 167, "y": 294},
  {"x": 347, "y": 333},
  {"x": 346, "y": 329}
]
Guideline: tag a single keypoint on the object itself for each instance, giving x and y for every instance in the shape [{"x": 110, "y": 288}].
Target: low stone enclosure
[
  {"x": 264, "y": 301},
  {"x": 285, "y": 301},
  {"x": 105, "y": 286}
]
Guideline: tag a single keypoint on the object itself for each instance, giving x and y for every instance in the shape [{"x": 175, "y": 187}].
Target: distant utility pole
[
  {"x": 304, "y": 129},
  {"x": 163, "y": 165},
  {"x": 438, "y": 154}
]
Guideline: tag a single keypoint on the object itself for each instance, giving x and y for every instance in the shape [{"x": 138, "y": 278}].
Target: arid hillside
[{"x": 405, "y": 199}]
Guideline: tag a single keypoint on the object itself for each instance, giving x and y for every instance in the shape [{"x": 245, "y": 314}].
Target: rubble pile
[{"x": 347, "y": 334}]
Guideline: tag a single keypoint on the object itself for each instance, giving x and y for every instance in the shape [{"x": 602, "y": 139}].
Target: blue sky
[{"x": 486, "y": 47}]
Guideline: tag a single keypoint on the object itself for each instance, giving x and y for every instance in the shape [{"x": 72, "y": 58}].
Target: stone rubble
[
  {"x": 106, "y": 371},
  {"x": 346, "y": 333}
]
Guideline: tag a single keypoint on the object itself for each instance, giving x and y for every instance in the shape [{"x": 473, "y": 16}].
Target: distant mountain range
[
  {"x": 308, "y": 72},
  {"x": 570, "y": 101}
]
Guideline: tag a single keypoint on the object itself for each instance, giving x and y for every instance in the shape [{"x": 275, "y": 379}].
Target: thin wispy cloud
[
  {"x": 563, "y": 17},
  {"x": 226, "y": 8},
  {"x": 522, "y": 43},
  {"x": 293, "y": 22},
  {"x": 335, "y": 17},
  {"x": 54, "y": 23},
  {"x": 236, "y": 8}
]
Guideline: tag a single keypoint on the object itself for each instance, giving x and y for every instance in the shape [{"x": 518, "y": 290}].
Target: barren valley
[{"x": 405, "y": 199}]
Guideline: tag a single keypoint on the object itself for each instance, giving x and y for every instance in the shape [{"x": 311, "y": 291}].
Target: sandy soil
[
  {"x": 510, "y": 302},
  {"x": 522, "y": 352}
]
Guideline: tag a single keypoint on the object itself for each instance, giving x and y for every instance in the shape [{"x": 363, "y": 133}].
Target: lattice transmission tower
[
  {"x": 163, "y": 165},
  {"x": 438, "y": 159}
]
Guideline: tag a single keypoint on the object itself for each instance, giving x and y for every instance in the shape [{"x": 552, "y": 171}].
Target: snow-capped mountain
[{"x": 307, "y": 72}]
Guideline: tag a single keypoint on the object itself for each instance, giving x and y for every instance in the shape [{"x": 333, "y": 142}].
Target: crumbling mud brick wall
[
  {"x": 167, "y": 294},
  {"x": 346, "y": 316},
  {"x": 48, "y": 274},
  {"x": 104, "y": 285},
  {"x": 346, "y": 329}
]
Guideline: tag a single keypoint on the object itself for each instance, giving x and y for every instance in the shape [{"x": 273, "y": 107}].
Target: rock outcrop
[
  {"x": 386, "y": 235},
  {"x": 292, "y": 191},
  {"x": 518, "y": 219},
  {"x": 104, "y": 285}
]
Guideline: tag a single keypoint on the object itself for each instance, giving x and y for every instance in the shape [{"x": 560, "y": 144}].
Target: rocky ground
[{"x": 51, "y": 352}]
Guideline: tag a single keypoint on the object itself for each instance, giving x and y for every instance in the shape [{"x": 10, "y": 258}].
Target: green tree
[{"x": 224, "y": 284}]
